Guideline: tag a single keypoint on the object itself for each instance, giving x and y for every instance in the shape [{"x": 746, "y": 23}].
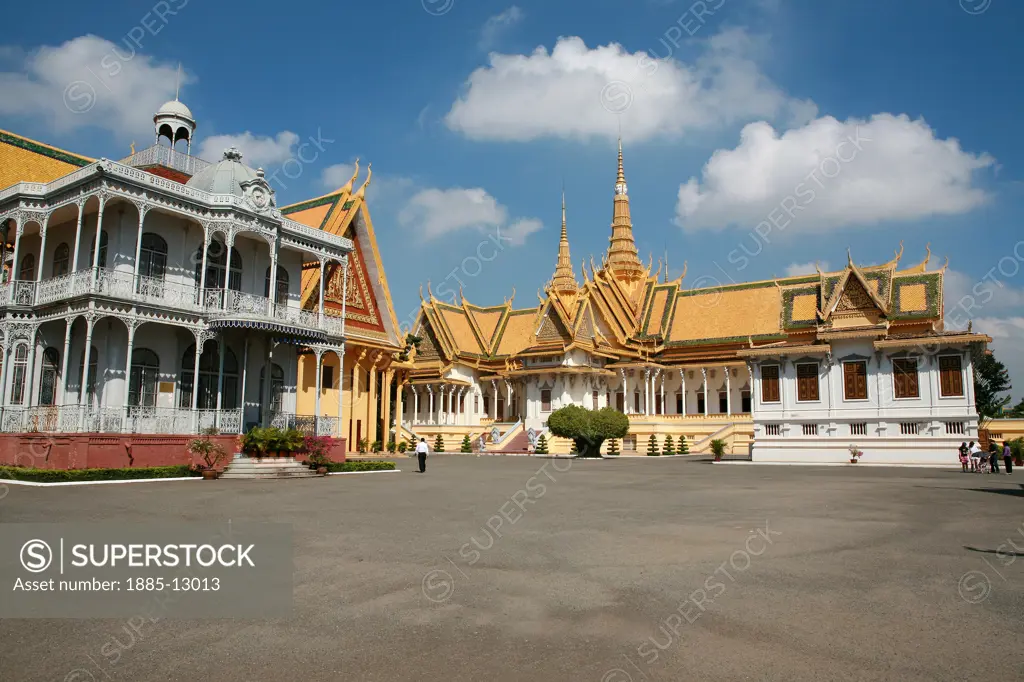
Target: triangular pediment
[{"x": 553, "y": 329}]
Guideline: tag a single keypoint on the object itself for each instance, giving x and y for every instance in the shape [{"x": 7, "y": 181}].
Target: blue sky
[{"x": 474, "y": 114}]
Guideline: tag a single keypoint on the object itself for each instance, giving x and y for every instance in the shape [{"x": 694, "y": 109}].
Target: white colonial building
[{"x": 159, "y": 294}]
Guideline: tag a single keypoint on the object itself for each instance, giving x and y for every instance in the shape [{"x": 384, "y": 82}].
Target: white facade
[
  {"x": 924, "y": 425},
  {"x": 192, "y": 329}
]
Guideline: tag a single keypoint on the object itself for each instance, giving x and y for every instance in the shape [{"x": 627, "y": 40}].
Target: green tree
[
  {"x": 684, "y": 449},
  {"x": 652, "y": 446},
  {"x": 991, "y": 380},
  {"x": 438, "y": 443},
  {"x": 542, "y": 445},
  {"x": 613, "y": 446},
  {"x": 588, "y": 429},
  {"x": 668, "y": 447},
  {"x": 466, "y": 445}
]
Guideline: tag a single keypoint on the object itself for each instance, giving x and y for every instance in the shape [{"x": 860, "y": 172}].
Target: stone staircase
[{"x": 248, "y": 467}]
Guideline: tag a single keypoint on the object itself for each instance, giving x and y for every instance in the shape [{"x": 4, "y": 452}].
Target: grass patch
[
  {"x": 339, "y": 467},
  {"x": 80, "y": 475}
]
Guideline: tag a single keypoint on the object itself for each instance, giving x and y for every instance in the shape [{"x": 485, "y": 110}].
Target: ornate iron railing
[
  {"x": 165, "y": 156},
  {"x": 143, "y": 420}
]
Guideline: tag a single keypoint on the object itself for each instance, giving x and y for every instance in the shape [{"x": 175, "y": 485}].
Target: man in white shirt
[{"x": 421, "y": 454}]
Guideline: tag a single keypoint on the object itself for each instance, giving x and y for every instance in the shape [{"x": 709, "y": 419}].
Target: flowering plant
[
  {"x": 855, "y": 453},
  {"x": 318, "y": 447}
]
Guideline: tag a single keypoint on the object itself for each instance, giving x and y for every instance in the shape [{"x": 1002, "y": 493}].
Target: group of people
[{"x": 980, "y": 462}]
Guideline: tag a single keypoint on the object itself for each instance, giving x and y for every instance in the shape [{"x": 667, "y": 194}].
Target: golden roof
[{"x": 26, "y": 160}]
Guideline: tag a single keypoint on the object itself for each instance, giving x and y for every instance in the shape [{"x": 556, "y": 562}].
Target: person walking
[
  {"x": 421, "y": 454},
  {"x": 965, "y": 456},
  {"x": 1007, "y": 457},
  {"x": 993, "y": 458},
  {"x": 975, "y": 452}
]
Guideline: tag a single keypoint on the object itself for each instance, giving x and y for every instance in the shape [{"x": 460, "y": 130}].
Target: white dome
[
  {"x": 225, "y": 176},
  {"x": 175, "y": 108}
]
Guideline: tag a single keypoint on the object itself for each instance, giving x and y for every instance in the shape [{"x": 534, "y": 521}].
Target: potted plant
[
  {"x": 292, "y": 441},
  {"x": 256, "y": 442},
  {"x": 718, "y": 448},
  {"x": 318, "y": 449},
  {"x": 210, "y": 455},
  {"x": 855, "y": 454},
  {"x": 362, "y": 445}
]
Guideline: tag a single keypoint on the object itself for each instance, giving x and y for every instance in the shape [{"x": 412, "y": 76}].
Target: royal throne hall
[{"x": 797, "y": 369}]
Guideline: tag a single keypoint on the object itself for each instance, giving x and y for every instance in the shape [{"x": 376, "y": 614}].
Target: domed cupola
[
  {"x": 231, "y": 176},
  {"x": 174, "y": 121}
]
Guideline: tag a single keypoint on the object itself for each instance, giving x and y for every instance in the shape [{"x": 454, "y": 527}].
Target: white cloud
[
  {"x": 580, "y": 92},
  {"x": 433, "y": 213},
  {"x": 1008, "y": 347},
  {"x": 494, "y": 26},
  {"x": 89, "y": 82},
  {"x": 966, "y": 297},
  {"x": 830, "y": 173},
  {"x": 257, "y": 150},
  {"x": 796, "y": 269},
  {"x": 336, "y": 176}
]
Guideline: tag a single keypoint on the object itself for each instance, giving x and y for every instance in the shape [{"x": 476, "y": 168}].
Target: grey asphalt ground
[{"x": 801, "y": 573}]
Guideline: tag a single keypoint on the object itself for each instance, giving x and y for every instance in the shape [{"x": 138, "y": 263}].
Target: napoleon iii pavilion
[{"x": 156, "y": 295}]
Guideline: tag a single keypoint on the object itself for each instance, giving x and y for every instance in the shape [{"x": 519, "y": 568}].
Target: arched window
[
  {"x": 209, "y": 363},
  {"x": 48, "y": 378},
  {"x": 276, "y": 389},
  {"x": 102, "y": 262},
  {"x": 145, "y": 374},
  {"x": 90, "y": 379},
  {"x": 152, "y": 256},
  {"x": 281, "y": 287},
  {"x": 20, "y": 369},
  {"x": 27, "y": 271},
  {"x": 216, "y": 263},
  {"x": 61, "y": 260}
]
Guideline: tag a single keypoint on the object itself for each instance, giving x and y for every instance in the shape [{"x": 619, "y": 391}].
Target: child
[
  {"x": 975, "y": 456},
  {"x": 965, "y": 456}
]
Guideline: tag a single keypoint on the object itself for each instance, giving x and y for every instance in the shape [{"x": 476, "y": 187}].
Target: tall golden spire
[
  {"x": 623, "y": 260},
  {"x": 564, "y": 281}
]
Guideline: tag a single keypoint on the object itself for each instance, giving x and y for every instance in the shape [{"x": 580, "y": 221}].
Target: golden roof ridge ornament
[
  {"x": 369, "y": 176},
  {"x": 423, "y": 300},
  {"x": 430, "y": 291},
  {"x": 347, "y": 187},
  {"x": 622, "y": 257},
  {"x": 564, "y": 279}
]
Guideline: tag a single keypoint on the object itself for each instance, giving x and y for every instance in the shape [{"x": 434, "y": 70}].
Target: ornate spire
[
  {"x": 564, "y": 281},
  {"x": 622, "y": 254}
]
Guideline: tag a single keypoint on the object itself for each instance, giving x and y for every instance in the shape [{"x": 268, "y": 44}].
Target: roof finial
[
  {"x": 352, "y": 181},
  {"x": 177, "y": 83},
  {"x": 621, "y": 178},
  {"x": 369, "y": 176},
  {"x": 849, "y": 257}
]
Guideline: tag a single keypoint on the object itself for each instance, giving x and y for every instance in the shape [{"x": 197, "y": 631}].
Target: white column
[
  {"x": 96, "y": 243},
  {"x": 138, "y": 248},
  {"x": 321, "y": 309},
  {"x": 83, "y": 391},
  {"x": 682, "y": 388},
  {"x": 78, "y": 236},
  {"x": 227, "y": 279},
  {"x": 319, "y": 354},
  {"x": 494, "y": 400},
  {"x": 202, "y": 272},
  {"x": 195, "y": 374},
  {"x": 127, "y": 374},
  {"x": 30, "y": 397},
  {"x": 663, "y": 408},
  {"x": 415, "y": 405},
  {"x": 6, "y": 353},
  {"x": 430, "y": 412},
  {"x": 245, "y": 375},
  {"x": 14, "y": 254},
  {"x": 728, "y": 392},
  {"x": 341, "y": 388},
  {"x": 625, "y": 393},
  {"x": 221, "y": 350},
  {"x": 64, "y": 361},
  {"x": 704, "y": 373},
  {"x": 42, "y": 248},
  {"x": 272, "y": 293}
]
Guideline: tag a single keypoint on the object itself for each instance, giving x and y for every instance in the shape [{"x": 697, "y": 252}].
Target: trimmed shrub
[
  {"x": 668, "y": 447},
  {"x": 335, "y": 467},
  {"x": 652, "y": 446},
  {"x": 78, "y": 475},
  {"x": 392, "y": 446},
  {"x": 466, "y": 446},
  {"x": 542, "y": 445},
  {"x": 684, "y": 448},
  {"x": 377, "y": 446},
  {"x": 588, "y": 429},
  {"x": 439, "y": 444},
  {"x": 613, "y": 446},
  {"x": 718, "y": 448}
]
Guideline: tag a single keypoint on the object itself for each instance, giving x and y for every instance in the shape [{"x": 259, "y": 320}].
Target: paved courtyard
[{"x": 527, "y": 569}]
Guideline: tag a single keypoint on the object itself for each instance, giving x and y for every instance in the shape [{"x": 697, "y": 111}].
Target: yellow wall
[{"x": 357, "y": 416}]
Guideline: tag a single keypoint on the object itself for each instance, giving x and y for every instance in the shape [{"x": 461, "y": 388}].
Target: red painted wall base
[{"x": 110, "y": 451}]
